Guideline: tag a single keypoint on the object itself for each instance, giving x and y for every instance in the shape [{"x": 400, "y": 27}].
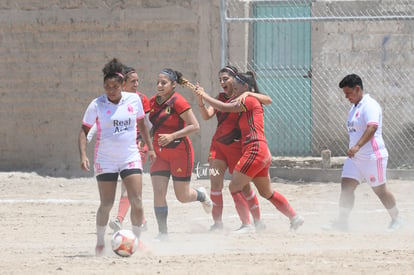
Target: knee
[
  {"x": 106, "y": 205},
  {"x": 348, "y": 185},
  {"x": 265, "y": 193},
  {"x": 136, "y": 202},
  {"x": 236, "y": 186},
  {"x": 183, "y": 198},
  {"x": 216, "y": 184},
  {"x": 380, "y": 191}
]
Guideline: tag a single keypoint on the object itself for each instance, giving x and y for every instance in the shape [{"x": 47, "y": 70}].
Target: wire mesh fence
[{"x": 300, "y": 50}]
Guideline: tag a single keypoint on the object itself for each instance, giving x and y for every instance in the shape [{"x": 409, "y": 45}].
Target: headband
[
  {"x": 130, "y": 72},
  {"x": 171, "y": 74},
  {"x": 239, "y": 78},
  {"x": 230, "y": 70}
]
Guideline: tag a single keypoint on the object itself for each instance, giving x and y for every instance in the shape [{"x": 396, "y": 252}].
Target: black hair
[
  {"x": 173, "y": 75},
  {"x": 231, "y": 70},
  {"x": 248, "y": 78},
  {"x": 128, "y": 70},
  {"x": 351, "y": 81},
  {"x": 113, "y": 69}
]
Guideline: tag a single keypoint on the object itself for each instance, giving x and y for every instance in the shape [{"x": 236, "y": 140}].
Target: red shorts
[
  {"x": 230, "y": 154},
  {"x": 177, "y": 161},
  {"x": 255, "y": 161}
]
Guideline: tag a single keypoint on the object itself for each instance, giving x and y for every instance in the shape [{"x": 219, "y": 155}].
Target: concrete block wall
[
  {"x": 381, "y": 52},
  {"x": 52, "y": 54}
]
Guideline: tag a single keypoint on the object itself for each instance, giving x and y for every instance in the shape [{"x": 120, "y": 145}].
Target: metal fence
[{"x": 300, "y": 51}]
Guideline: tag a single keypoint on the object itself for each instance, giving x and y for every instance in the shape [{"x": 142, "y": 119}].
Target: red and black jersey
[
  {"x": 165, "y": 116},
  {"x": 146, "y": 107},
  {"x": 251, "y": 121},
  {"x": 145, "y": 102},
  {"x": 227, "y": 130},
  {"x": 256, "y": 158}
]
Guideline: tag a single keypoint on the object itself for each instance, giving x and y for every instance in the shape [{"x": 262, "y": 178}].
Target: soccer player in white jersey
[
  {"x": 367, "y": 155},
  {"x": 117, "y": 115}
]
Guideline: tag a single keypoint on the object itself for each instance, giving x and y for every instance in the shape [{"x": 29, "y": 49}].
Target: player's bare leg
[
  {"x": 265, "y": 189},
  {"x": 388, "y": 200},
  {"x": 133, "y": 185},
  {"x": 185, "y": 194},
  {"x": 116, "y": 224},
  {"x": 160, "y": 187},
  {"x": 107, "y": 192},
  {"x": 346, "y": 203}
]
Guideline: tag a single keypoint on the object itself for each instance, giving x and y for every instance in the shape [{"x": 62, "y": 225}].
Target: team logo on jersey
[
  {"x": 130, "y": 108},
  {"x": 108, "y": 112},
  {"x": 372, "y": 178},
  {"x": 357, "y": 114},
  {"x": 168, "y": 110}
]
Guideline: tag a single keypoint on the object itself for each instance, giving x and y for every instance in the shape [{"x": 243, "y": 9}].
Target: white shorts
[
  {"x": 373, "y": 171},
  {"x": 116, "y": 167}
]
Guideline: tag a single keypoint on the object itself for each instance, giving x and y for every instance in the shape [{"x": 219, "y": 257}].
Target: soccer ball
[{"x": 124, "y": 243}]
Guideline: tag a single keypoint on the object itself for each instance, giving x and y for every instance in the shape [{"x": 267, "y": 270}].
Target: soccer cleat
[
  {"x": 115, "y": 225},
  {"x": 259, "y": 225},
  {"x": 244, "y": 229},
  {"x": 207, "y": 203},
  {"x": 99, "y": 250},
  {"x": 217, "y": 226},
  {"x": 296, "y": 222},
  {"x": 336, "y": 226},
  {"x": 395, "y": 224}
]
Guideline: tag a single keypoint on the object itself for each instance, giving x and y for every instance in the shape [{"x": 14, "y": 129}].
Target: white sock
[
  {"x": 100, "y": 234},
  {"x": 393, "y": 212},
  {"x": 344, "y": 214},
  {"x": 137, "y": 230}
]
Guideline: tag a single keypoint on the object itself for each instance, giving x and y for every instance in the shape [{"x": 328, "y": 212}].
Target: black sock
[
  {"x": 161, "y": 213},
  {"x": 201, "y": 196}
]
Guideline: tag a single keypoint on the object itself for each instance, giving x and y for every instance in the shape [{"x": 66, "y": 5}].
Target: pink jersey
[{"x": 366, "y": 112}]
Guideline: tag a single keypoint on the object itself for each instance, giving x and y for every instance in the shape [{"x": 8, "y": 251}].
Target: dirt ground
[{"x": 48, "y": 227}]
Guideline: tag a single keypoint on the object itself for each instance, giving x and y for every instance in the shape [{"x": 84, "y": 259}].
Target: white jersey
[
  {"x": 91, "y": 133},
  {"x": 116, "y": 127},
  {"x": 366, "y": 112}
]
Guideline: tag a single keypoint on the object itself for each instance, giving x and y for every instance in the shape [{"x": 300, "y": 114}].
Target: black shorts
[{"x": 114, "y": 176}]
